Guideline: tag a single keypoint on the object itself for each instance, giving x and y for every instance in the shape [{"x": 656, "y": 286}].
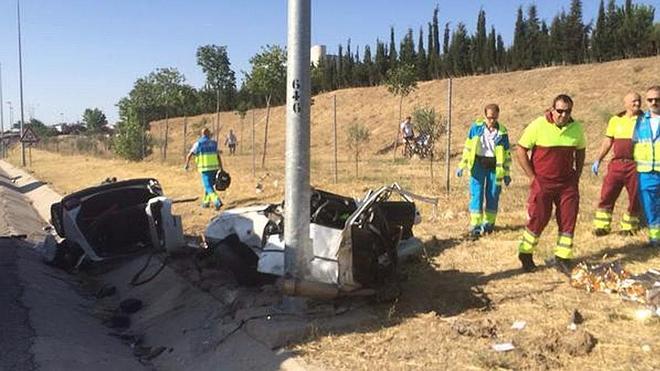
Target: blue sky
[{"x": 81, "y": 54}]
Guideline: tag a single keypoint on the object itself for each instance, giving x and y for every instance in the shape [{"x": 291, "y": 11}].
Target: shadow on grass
[{"x": 637, "y": 252}]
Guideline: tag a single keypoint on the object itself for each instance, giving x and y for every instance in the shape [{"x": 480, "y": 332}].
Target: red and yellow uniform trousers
[
  {"x": 555, "y": 184},
  {"x": 621, "y": 172}
]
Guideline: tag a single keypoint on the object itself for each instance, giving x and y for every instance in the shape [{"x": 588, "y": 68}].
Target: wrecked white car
[
  {"x": 114, "y": 219},
  {"x": 355, "y": 242}
]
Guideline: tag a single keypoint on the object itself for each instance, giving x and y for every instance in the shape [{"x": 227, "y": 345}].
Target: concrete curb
[{"x": 40, "y": 195}]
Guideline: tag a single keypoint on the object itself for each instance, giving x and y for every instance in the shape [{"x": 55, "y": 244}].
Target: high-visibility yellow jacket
[
  {"x": 502, "y": 149},
  {"x": 206, "y": 155},
  {"x": 646, "y": 150}
]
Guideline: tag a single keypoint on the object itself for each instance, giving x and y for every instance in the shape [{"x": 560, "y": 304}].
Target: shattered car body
[
  {"x": 354, "y": 242},
  {"x": 116, "y": 219}
]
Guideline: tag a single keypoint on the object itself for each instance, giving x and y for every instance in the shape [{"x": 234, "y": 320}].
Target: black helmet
[{"x": 222, "y": 180}]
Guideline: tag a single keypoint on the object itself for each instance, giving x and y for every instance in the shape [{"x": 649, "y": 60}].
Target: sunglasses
[
  {"x": 562, "y": 111},
  {"x": 651, "y": 100}
]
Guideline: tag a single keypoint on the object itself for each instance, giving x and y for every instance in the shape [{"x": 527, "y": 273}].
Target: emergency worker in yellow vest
[
  {"x": 646, "y": 151},
  {"x": 621, "y": 171},
  {"x": 487, "y": 156},
  {"x": 207, "y": 159},
  {"x": 557, "y": 144}
]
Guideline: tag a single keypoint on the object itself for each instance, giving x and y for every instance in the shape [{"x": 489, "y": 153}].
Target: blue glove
[
  {"x": 459, "y": 172},
  {"x": 594, "y": 167},
  {"x": 507, "y": 180}
]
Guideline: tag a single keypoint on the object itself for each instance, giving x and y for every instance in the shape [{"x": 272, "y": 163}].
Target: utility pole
[
  {"x": 11, "y": 115},
  {"x": 297, "y": 193},
  {"x": 2, "y": 119},
  {"x": 448, "y": 154},
  {"x": 20, "y": 77}
]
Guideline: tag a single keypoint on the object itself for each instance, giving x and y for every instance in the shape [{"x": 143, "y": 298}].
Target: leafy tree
[
  {"x": 94, "y": 119},
  {"x": 637, "y": 30},
  {"x": 130, "y": 141},
  {"x": 401, "y": 81},
  {"x": 358, "y": 134},
  {"x": 220, "y": 78},
  {"x": 427, "y": 122},
  {"x": 267, "y": 80},
  {"x": 40, "y": 129}
]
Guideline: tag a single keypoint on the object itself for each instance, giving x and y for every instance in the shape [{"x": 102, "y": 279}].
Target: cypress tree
[
  {"x": 420, "y": 64},
  {"x": 518, "y": 59},
  {"x": 599, "y": 38},
  {"x": 532, "y": 52},
  {"x": 433, "y": 59},
  {"x": 491, "y": 51},
  {"x": 575, "y": 45},
  {"x": 339, "y": 82},
  {"x": 392, "y": 55},
  {"x": 381, "y": 61},
  {"x": 436, "y": 32},
  {"x": 478, "y": 46},
  {"x": 500, "y": 52},
  {"x": 407, "y": 49},
  {"x": 459, "y": 50}
]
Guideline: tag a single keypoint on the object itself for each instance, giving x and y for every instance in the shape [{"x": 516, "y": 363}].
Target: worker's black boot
[
  {"x": 527, "y": 262},
  {"x": 564, "y": 266}
]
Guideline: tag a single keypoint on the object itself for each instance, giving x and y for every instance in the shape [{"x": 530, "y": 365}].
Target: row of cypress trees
[{"x": 620, "y": 31}]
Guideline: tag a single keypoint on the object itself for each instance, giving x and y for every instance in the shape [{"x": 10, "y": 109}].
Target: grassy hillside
[
  {"x": 461, "y": 296},
  {"x": 597, "y": 90}
]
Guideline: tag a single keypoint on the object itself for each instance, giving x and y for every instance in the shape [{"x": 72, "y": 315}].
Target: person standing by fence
[
  {"x": 231, "y": 142},
  {"x": 207, "y": 158}
]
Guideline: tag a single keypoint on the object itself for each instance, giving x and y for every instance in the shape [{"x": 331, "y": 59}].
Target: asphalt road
[{"x": 16, "y": 334}]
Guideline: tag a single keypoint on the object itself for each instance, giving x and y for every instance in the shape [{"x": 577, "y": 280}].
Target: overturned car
[
  {"x": 112, "y": 220},
  {"x": 355, "y": 242}
]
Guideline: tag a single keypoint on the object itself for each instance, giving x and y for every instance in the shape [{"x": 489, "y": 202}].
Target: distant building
[{"x": 318, "y": 52}]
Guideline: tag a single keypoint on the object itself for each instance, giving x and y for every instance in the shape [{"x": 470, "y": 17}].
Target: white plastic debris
[
  {"x": 503, "y": 347},
  {"x": 519, "y": 325},
  {"x": 646, "y": 348}
]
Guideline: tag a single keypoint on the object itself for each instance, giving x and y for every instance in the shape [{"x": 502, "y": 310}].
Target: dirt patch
[{"x": 484, "y": 328}]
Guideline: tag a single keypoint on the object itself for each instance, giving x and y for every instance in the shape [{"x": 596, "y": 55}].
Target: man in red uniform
[
  {"x": 621, "y": 170},
  {"x": 558, "y": 146}
]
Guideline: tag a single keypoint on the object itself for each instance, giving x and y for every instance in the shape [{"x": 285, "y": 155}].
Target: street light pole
[
  {"x": 298, "y": 246},
  {"x": 20, "y": 76},
  {"x": 11, "y": 115}
]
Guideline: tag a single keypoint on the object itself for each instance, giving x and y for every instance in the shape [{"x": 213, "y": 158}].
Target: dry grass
[{"x": 457, "y": 279}]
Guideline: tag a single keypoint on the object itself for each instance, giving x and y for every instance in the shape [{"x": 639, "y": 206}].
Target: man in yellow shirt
[
  {"x": 558, "y": 145},
  {"x": 621, "y": 170}
]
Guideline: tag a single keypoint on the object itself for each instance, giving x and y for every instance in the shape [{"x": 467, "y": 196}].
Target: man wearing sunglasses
[
  {"x": 646, "y": 152},
  {"x": 621, "y": 170},
  {"x": 557, "y": 144}
]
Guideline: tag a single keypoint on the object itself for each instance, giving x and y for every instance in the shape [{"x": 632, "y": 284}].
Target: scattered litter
[
  {"x": 613, "y": 278},
  {"x": 130, "y": 305},
  {"x": 519, "y": 325},
  {"x": 643, "y": 314},
  {"x": 646, "y": 348},
  {"x": 503, "y": 347}
]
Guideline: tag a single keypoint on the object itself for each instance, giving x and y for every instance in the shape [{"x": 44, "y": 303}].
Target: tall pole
[
  {"x": 334, "y": 129},
  {"x": 297, "y": 193},
  {"x": 254, "y": 158},
  {"x": 448, "y": 154},
  {"x": 2, "y": 119},
  {"x": 20, "y": 76}
]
